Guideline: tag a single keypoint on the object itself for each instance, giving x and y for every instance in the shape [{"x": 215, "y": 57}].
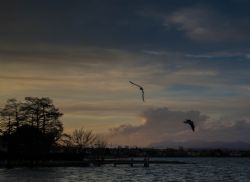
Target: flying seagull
[
  {"x": 191, "y": 123},
  {"x": 140, "y": 87}
]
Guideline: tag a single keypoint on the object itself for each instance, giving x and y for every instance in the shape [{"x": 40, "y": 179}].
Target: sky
[{"x": 191, "y": 56}]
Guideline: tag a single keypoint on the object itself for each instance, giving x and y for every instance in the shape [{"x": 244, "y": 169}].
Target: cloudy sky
[{"x": 191, "y": 56}]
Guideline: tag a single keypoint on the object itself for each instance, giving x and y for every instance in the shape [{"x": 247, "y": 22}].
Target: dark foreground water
[{"x": 204, "y": 169}]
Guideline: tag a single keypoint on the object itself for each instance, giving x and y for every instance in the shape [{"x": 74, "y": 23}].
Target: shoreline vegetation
[
  {"x": 31, "y": 134},
  {"x": 116, "y": 156}
]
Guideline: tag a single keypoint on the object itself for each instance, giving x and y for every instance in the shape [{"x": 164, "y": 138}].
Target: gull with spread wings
[
  {"x": 140, "y": 87},
  {"x": 191, "y": 123}
]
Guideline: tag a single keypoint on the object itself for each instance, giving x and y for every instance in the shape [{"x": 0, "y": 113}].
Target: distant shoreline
[
  {"x": 96, "y": 163},
  {"x": 85, "y": 163}
]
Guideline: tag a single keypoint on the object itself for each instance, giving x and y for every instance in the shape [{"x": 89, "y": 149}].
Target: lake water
[{"x": 201, "y": 169}]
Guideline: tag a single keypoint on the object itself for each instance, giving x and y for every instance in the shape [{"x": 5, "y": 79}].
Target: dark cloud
[
  {"x": 236, "y": 131},
  {"x": 158, "y": 124},
  {"x": 206, "y": 24},
  {"x": 165, "y": 127},
  {"x": 122, "y": 24},
  {"x": 62, "y": 57},
  {"x": 202, "y": 26}
]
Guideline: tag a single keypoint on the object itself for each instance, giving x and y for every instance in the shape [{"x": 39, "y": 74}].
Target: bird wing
[
  {"x": 141, "y": 88},
  {"x": 135, "y": 84},
  {"x": 192, "y": 125},
  {"x": 142, "y": 95}
]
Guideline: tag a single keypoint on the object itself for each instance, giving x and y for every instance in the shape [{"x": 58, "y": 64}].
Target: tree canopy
[{"x": 31, "y": 124}]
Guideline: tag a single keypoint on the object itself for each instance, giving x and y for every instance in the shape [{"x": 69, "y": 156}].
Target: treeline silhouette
[
  {"x": 31, "y": 131},
  {"x": 30, "y": 128}
]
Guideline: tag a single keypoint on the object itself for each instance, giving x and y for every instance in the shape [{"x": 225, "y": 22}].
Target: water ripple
[{"x": 203, "y": 169}]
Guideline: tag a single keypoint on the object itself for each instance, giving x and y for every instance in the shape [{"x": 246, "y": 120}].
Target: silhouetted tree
[
  {"x": 100, "y": 147},
  {"x": 30, "y": 126},
  {"x": 11, "y": 117},
  {"x": 41, "y": 113},
  {"x": 83, "y": 139},
  {"x": 100, "y": 143}
]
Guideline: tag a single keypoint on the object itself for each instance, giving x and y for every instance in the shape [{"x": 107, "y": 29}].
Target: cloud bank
[{"x": 162, "y": 127}]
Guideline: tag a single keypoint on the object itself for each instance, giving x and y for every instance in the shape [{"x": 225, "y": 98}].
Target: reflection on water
[{"x": 203, "y": 169}]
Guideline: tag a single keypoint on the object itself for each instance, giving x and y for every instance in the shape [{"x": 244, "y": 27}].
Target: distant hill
[{"x": 198, "y": 144}]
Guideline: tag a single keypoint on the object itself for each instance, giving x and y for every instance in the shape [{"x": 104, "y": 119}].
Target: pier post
[
  {"x": 132, "y": 162},
  {"x": 146, "y": 162}
]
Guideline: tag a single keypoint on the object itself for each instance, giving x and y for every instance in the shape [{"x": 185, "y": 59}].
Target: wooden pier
[
  {"x": 87, "y": 163},
  {"x": 144, "y": 162}
]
